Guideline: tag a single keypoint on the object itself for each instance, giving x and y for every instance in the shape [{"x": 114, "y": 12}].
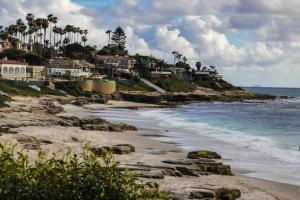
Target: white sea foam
[{"x": 266, "y": 146}]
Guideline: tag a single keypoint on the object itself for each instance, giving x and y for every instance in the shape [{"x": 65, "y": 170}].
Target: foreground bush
[{"x": 68, "y": 177}]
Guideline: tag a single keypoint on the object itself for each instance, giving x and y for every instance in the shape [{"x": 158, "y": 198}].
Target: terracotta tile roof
[
  {"x": 65, "y": 63},
  {"x": 103, "y": 57},
  {"x": 12, "y": 62}
]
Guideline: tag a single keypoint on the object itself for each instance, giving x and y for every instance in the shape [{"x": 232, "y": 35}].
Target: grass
[
  {"x": 72, "y": 88},
  {"x": 10, "y": 88},
  {"x": 134, "y": 84},
  {"x": 174, "y": 84},
  {"x": 219, "y": 85},
  {"x": 69, "y": 177}
]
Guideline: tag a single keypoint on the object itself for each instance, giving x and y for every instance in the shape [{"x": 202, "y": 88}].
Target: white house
[
  {"x": 60, "y": 67},
  {"x": 11, "y": 69}
]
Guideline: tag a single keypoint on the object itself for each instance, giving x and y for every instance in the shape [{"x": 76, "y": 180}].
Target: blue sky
[{"x": 252, "y": 42}]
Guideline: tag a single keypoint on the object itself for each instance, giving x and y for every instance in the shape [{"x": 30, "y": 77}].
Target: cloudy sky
[{"x": 252, "y": 42}]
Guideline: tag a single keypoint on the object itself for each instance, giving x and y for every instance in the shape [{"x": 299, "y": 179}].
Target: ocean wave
[{"x": 264, "y": 145}]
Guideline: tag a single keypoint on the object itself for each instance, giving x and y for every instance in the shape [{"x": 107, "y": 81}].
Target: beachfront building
[
  {"x": 160, "y": 75},
  {"x": 36, "y": 72},
  {"x": 121, "y": 62},
  {"x": 12, "y": 69},
  {"x": 199, "y": 75},
  {"x": 62, "y": 68}
]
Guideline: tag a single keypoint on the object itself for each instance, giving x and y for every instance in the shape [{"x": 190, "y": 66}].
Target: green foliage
[
  {"x": 69, "y": 177},
  {"x": 119, "y": 38},
  {"x": 133, "y": 84},
  {"x": 30, "y": 58},
  {"x": 74, "y": 51},
  {"x": 219, "y": 85},
  {"x": 10, "y": 88},
  {"x": 13, "y": 54},
  {"x": 174, "y": 84},
  {"x": 71, "y": 88}
]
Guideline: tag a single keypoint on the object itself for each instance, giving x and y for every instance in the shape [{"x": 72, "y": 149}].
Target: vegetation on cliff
[
  {"x": 174, "y": 84},
  {"x": 69, "y": 177},
  {"x": 10, "y": 88}
]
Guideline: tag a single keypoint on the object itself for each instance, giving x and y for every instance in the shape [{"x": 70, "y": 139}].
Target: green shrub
[
  {"x": 68, "y": 177},
  {"x": 72, "y": 88},
  {"x": 133, "y": 84},
  {"x": 174, "y": 84}
]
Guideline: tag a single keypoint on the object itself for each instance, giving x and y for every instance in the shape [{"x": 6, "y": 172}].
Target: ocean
[{"x": 257, "y": 138}]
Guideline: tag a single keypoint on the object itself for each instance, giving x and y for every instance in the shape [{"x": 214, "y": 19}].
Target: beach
[{"x": 29, "y": 118}]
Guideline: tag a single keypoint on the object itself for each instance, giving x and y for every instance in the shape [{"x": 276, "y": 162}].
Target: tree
[
  {"x": 198, "y": 65},
  {"x": 119, "y": 38},
  {"x": 109, "y": 35}
]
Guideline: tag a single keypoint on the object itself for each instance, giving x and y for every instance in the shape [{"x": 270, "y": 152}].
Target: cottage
[
  {"x": 36, "y": 72},
  {"x": 158, "y": 75},
  {"x": 200, "y": 75},
  {"x": 121, "y": 62},
  {"x": 61, "y": 68},
  {"x": 11, "y": 69}
]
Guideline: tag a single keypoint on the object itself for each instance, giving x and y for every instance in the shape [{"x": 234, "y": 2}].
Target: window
[
  {"x": 22, "y": 71},
  {"x": 5, "y": 69},
  {"x": 11, "y": 70},
  {"x": 17, "y": 71}
]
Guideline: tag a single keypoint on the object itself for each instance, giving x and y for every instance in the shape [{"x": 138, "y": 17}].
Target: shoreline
[{"x": 148, "y": 150}]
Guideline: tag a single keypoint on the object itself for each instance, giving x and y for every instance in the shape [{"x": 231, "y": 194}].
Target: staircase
[{"x": 155, "y": 87}]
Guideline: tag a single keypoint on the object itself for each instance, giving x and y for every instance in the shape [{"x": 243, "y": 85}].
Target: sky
[{"x": 251, "y": 42}]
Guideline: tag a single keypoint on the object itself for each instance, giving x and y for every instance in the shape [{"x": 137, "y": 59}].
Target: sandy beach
[{"x": 37, "y": 124}]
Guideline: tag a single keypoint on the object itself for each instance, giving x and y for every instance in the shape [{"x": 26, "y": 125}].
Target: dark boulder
[{"x": 203, "y": 154}]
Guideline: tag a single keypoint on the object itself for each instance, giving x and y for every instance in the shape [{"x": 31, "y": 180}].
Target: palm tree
[
  {"x": 45, "y": 25},
  {"x": 109, "y": 36},
  {"x": 175, "y": 53},
  {"x": 84, "y": 39}
]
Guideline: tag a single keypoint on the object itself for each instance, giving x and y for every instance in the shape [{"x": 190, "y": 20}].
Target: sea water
[{"x": 260, "y": 138}]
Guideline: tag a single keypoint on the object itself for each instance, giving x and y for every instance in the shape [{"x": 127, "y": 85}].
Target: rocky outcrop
[
  {"x": 206, "y": 193},
  {"x": 203, "y": 154},
  {"x": 28, "y": 142},
  {"x": 169, "y": 98},
  {"x": 120, "y": 149},
  {"x": 95, "y": 124},
  {"x": 81, "y": 101},
  {"x": 51, "y": 108}
]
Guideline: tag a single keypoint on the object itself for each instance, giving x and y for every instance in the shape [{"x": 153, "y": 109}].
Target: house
[
  {"x": 12, "y": 69},
  {"x": 36, "y": 72},
  {"x": 63, "y": 68},
  {"x": 199, "y": 75},
  {"x": 121, "y": 62},
  {"x": 5, "y": 44},
  {"x": 104, "y": 69},
  {"x": 158, "y": 75}
]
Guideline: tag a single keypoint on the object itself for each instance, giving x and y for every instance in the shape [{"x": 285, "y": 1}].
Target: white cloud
[{"x": 197, "y": 28}]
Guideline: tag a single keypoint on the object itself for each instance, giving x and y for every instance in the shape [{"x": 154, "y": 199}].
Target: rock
[
  {"x": 202, "y": 194},
  {"x": 100, "y": 99},
  {"x": 123, "y": 149},
  {"x": 203, "y": 154},
  {"x": 228, "y": 194},
  {"x": 187, "y": 171},
  {"x": 152, "y": 174},
  {"x": 45, "y": 141},
  {"x": 100, "y": 151},
  {"x": 29, "y": 142},
  {"x": 50, "y": 107},
  {"x": 81, "y": 101}
]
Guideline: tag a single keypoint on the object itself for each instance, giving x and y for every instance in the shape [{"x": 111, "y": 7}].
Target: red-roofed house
[
  {"x": 12, "y": 69},
  {"x": 121, "y": 62}
]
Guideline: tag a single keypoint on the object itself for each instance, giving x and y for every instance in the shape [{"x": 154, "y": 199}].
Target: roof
[
  {"x": 161, "y": 73},
  {"x": 202, "y": 73},
  {"x": 105, "y": 57},
  {"x": 12, "y": 62},
  {"x": 64, "y": 63}
]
